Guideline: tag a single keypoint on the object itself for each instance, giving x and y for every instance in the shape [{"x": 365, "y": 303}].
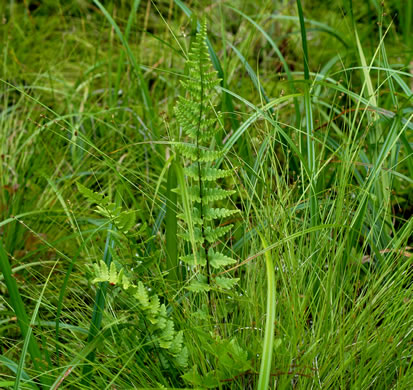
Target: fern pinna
[
  {"x": 155, "y": 322},
  {"x": 199, "y": 120}
]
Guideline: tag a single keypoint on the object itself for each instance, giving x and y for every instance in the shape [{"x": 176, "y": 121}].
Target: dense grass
[{"x": 317, "y": 105}]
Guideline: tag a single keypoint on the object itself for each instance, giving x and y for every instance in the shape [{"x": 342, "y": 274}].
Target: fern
[
  {"x": 123, "y": 220},
  {"x": 198, "y": 119},
  {"x": 159, "y": 328}
]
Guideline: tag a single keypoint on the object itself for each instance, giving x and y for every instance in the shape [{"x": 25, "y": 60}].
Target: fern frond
[
  {"x": 199, "y": 120},
  {"x": 219, "y": 260},
  {"x": 193, "y": 259},
  {"x": 200, "y": 284},
  {"x": 167, "y": 335},
  {"x": 113, "y": 273},
  {"x": 123, "y": 220},
  {"x": 162, "y": 318},
  {"x": 158, "y": 322},
  {"x": 219, "y": 213},
  {"x": 182, "y": 357},
  {"x": 207, "y": 174},
  {"x": 142, "y": 295},
  {"x": 190, "y": 151},
  {"x": 101, "y": 272},
  {"x": 209, "y": 194},
  {"x": 210, "y": 214},
  {"x": 213, "y": 234},
  {"x": 226, "y": 283},
  {"x": 154, "y": 308},
  {"x": 93, "y": 197},
  {"x": 176, "y": 345}
]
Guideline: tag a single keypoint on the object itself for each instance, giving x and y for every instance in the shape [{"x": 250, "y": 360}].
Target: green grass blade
[
  {"x": 131, "y": 19},
  {"x": 142, "y": 83},
  {"x": 98, "y": 309},
  {"x": 44, "y": 377},
  {"x": 311, "y": 156},
  {"x": 11, "y": 365},
  {"x": 63, "y": 289},
  {"x": 266, "y": 358},
  {"x": 303, "y": 40},
  {"x": 22, "y": 319},
  {"x": 171, "y": 224}
]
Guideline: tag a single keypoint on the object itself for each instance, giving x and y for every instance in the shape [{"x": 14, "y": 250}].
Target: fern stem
[{"x": 201, "y": 206}]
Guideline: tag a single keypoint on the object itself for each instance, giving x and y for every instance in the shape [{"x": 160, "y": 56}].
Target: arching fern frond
[
  {"x": 124, "y": 220},
  {"x": 161, "y": 328}
]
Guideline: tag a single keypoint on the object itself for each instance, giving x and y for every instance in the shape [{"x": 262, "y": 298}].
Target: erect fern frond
[
  {"x": 200, "y": 122},
  {"x": 210, "y": 214},
  {"x": 181, "y": 358}
]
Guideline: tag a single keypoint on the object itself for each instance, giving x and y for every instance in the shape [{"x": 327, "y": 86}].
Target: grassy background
[{"x": 321, "y": 146}]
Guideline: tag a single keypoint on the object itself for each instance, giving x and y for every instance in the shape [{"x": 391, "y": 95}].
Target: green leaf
[
  {"x": 218, "y": 260},
  {"x": 162, "y": 318},
  {"x": 209, "y": 194},
  {"x": 125, "y": 221},
  {"x": 167, "y": 335},
  {"x": 191, "y": 259},
  {"x": 154, "y": 309},
  {"x": 207, "y": 174},
  {"x": 176, "y": 344},
  {"x": 213, "y": 234},
  {"x": 182, "y": 357},
  {"x": 93, "y": 197},
  {"x": 191, "y": 152},
  {"x": 200, "y": 284},
  {"x": 218, "y": 213},
  {"x": 101, "y": 272},
  {"x": 226, "y": 283},
  {"x": 113, "y": 274},
  {"x": 197, "y": 236},
  {"x": 210, "y": 380},
  {"x": 142, "y": 295}
]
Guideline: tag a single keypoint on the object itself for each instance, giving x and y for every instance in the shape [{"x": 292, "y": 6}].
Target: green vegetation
[{"x": 206, "y": 205}]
